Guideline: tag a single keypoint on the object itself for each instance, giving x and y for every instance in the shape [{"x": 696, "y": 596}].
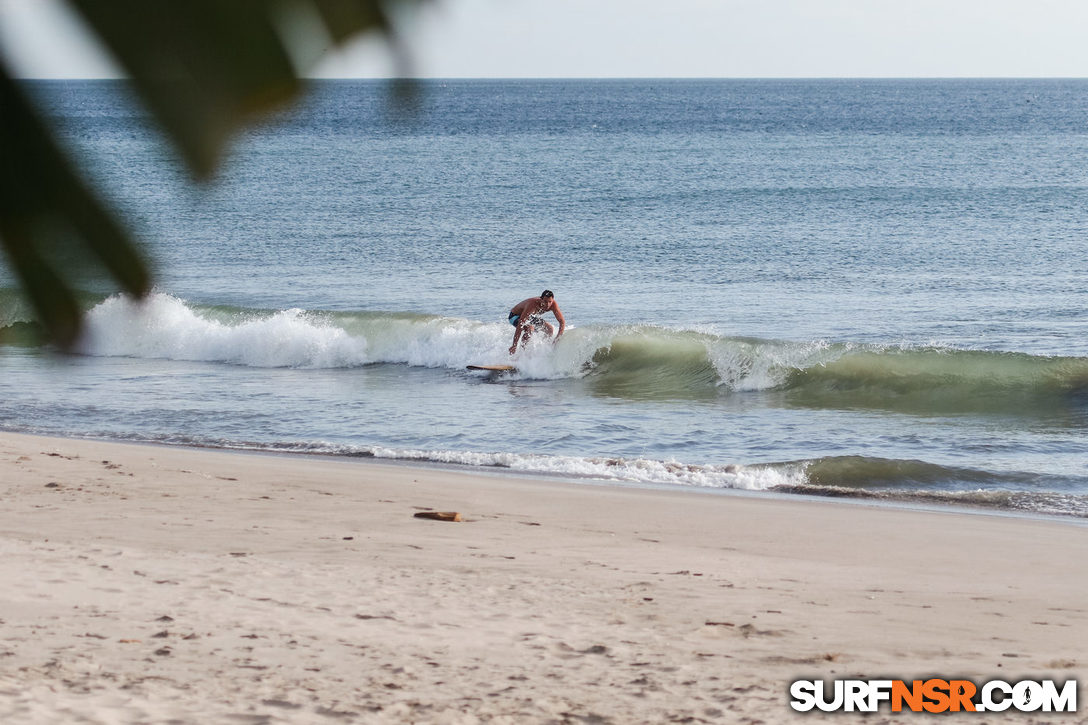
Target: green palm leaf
[{"x": 204, "y": 69}]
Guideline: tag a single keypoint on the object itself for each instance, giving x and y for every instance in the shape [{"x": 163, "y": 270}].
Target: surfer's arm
[{"x": 560, "y": 320}]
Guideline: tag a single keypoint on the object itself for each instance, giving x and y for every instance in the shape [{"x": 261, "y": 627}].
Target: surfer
[{"x": 525, "y": 316}]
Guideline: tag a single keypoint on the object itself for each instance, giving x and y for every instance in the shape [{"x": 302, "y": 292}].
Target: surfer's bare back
[{"x": 525, "y": 316}]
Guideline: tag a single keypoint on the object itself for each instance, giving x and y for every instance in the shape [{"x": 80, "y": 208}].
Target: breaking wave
[{"x": 633, "y": 362}]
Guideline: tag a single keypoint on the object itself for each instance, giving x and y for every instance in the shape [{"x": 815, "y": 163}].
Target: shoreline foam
[{"x": 843, "y": 478}]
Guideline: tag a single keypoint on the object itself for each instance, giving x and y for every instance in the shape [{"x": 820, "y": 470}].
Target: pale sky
[{"x": 660, "y": 38}]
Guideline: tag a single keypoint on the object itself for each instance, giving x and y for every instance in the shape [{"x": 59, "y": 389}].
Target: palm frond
[{"x": 204, "y": 69}]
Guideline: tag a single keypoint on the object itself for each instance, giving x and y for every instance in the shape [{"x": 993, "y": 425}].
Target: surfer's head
[{"x": 547, "y": 294}]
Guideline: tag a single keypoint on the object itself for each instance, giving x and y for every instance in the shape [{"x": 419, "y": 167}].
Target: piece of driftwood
[{"x": 439, "y": 515}]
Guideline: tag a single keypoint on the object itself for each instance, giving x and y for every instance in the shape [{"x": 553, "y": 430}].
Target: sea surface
[{"x": 868, "y": 288}]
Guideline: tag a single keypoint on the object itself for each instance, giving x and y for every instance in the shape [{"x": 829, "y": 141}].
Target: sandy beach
[{"x": 146, "y": 584}]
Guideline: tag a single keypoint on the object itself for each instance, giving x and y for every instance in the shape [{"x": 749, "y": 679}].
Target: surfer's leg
[
  {"x": 526, "y": 330},
  {"x": 518, "y": 330}
]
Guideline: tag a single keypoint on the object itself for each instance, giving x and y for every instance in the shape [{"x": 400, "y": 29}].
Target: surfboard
[{"x": 493, "y": 368}]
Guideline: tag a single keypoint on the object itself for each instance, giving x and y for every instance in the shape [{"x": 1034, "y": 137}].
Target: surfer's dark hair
[{"x": 547, "y": 293}]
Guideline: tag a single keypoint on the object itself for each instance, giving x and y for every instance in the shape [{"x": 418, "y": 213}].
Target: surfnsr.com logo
[{"x": 933, "y": 695}]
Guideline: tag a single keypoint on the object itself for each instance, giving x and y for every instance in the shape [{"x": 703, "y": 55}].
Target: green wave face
[
  {"x": 659, "y": 364},
  {"x": 943, "y": 382},
  {"x": 921, "y": 482},
  {"x": 854, "y": 472},
  {"x": 654, "y": 366}
]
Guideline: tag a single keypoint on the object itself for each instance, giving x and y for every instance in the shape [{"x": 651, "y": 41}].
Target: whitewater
[
  {"x": 611, "y": 365},
  {"x": 625, "y": 361},
  {"x": 864, "y": 289}
]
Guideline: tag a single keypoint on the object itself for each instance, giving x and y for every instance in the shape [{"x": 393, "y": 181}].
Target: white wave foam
[
  {"x": 163, "y": 326},
  {"x": 749, "y": 366},
  {"x": 435, "y": 342},
  {"x": 638, "y": 470}
]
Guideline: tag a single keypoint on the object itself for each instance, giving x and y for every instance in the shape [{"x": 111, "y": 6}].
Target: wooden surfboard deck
[{"x": 493, "y": 368}]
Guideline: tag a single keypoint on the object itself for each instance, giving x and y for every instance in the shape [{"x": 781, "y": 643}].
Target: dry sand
[{"x": 147, "y": 584}]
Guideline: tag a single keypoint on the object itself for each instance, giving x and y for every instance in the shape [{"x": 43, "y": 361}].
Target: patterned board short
[{"x": 535, "y": 320}]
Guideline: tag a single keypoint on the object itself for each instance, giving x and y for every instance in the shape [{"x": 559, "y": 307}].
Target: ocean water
[{"x": 834, "y": 287}]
